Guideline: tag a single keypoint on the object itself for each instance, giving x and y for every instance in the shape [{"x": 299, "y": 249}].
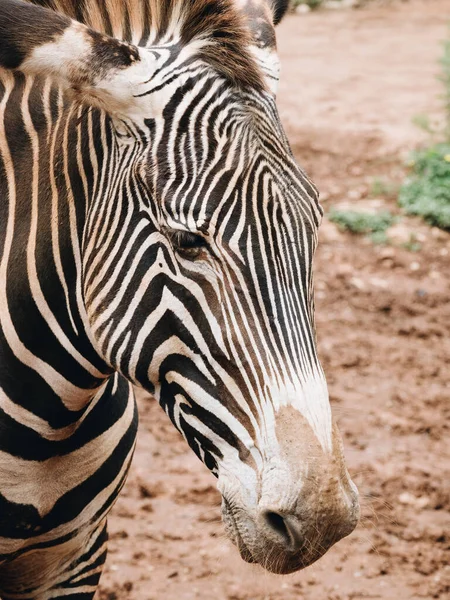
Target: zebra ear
[
  {"x": 98, "y": 69},
  {"x": 279, "y": 9},
  {"x": 261, "y": 17}
]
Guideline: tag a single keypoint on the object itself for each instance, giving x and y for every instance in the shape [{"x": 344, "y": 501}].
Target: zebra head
[{"x": 197, "y": 258}]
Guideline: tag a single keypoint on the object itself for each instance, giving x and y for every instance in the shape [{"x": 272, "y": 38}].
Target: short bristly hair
[{"x": 217, "y": 23}]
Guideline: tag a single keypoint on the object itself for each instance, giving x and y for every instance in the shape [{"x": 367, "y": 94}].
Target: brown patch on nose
[
  {"x": 339, "y": 460},
  {"x": 304, "y": 453},
  {"x": 325, "y": 504},
  {"x": 297, "y": 440}
]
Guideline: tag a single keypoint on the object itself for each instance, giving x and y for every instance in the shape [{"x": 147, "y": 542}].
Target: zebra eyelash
[{"x": 186, "y": 243}]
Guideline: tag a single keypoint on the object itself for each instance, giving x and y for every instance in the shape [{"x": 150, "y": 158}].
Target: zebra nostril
[
  {"x": 286, "y": 528},
  {"x": 276, "y": 522}
]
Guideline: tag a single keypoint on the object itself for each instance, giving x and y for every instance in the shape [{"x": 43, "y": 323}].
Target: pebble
[
  {"x": 336, "y": 4},
  {"x": 387, "y": 252},
  {"x": 411, "y": 500},
  {"x": 354, "y": 194},
  {"x": 439, "y": 233},
  {"x": 400, "y": 234},
  {"x": 378, "y": 282},
  {"x": 355, "y": 170},
  {"x": 358, "y": 283},
  {"x": 344, "y": 269}
]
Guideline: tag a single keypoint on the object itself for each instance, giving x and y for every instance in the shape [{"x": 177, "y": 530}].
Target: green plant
[
  {"x": 423, "y": 122},
  {"x": 426, "y": 192},
  {"x": 379, "y": 238},
  {"x": 412, "y": 244},
  {"x": 310, "y": 3},
  {"x": 372, "y": 224},
  {"x": 383, "y": 187}
]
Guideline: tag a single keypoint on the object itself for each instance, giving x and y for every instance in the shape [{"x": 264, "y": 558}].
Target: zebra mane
[{"x": 216, "y": 24}]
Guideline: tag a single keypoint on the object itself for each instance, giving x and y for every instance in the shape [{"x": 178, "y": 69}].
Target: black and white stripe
[{"x": 170, "y": 247}]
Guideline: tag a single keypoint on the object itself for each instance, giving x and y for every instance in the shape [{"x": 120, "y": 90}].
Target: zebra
[{"x": 155, "y": 230}]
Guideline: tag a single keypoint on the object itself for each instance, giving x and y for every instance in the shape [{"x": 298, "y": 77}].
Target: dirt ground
[{"x": 352, "y": 82}]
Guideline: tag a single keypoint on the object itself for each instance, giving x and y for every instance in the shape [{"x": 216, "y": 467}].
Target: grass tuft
[
  {"x": 426, "y": 192},
  {"x": 372, "y": 224},
  {"x": 381, "y": 186}
]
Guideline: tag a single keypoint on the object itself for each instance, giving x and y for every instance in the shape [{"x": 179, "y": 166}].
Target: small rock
[
  {"x": 378, "y": 282},
  {"x": 302, "y": 9},
  {"x": 355, "y": 170},
  {"x": 358, "y": 283},
  {"x": 354, "y": 194},
  {"x": 400, "y": 234},
  {"x": 439, "y": 234},
  {"x": 387, "y": 253},
  {"x": 336, "y": 4},
  {"x": 411, "y": 500},
  {"x": 422, "y": 502},
  {"x": 344, "y": 269},
  {"x": 406, "y": 498}
]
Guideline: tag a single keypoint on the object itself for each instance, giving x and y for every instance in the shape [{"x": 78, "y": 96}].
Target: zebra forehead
[{"x": 219, "y": 24}]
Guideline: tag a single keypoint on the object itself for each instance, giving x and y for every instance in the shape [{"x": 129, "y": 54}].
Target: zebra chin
[
  {"x": 283, "y": 544},
  {"x": 278, "y": 557}
]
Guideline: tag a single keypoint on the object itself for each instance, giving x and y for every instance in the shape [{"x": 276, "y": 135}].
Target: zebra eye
[{"x": 187, "y": 243}]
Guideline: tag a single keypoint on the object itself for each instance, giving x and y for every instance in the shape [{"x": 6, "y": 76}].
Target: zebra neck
[{"x": 44, "y": 186}]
